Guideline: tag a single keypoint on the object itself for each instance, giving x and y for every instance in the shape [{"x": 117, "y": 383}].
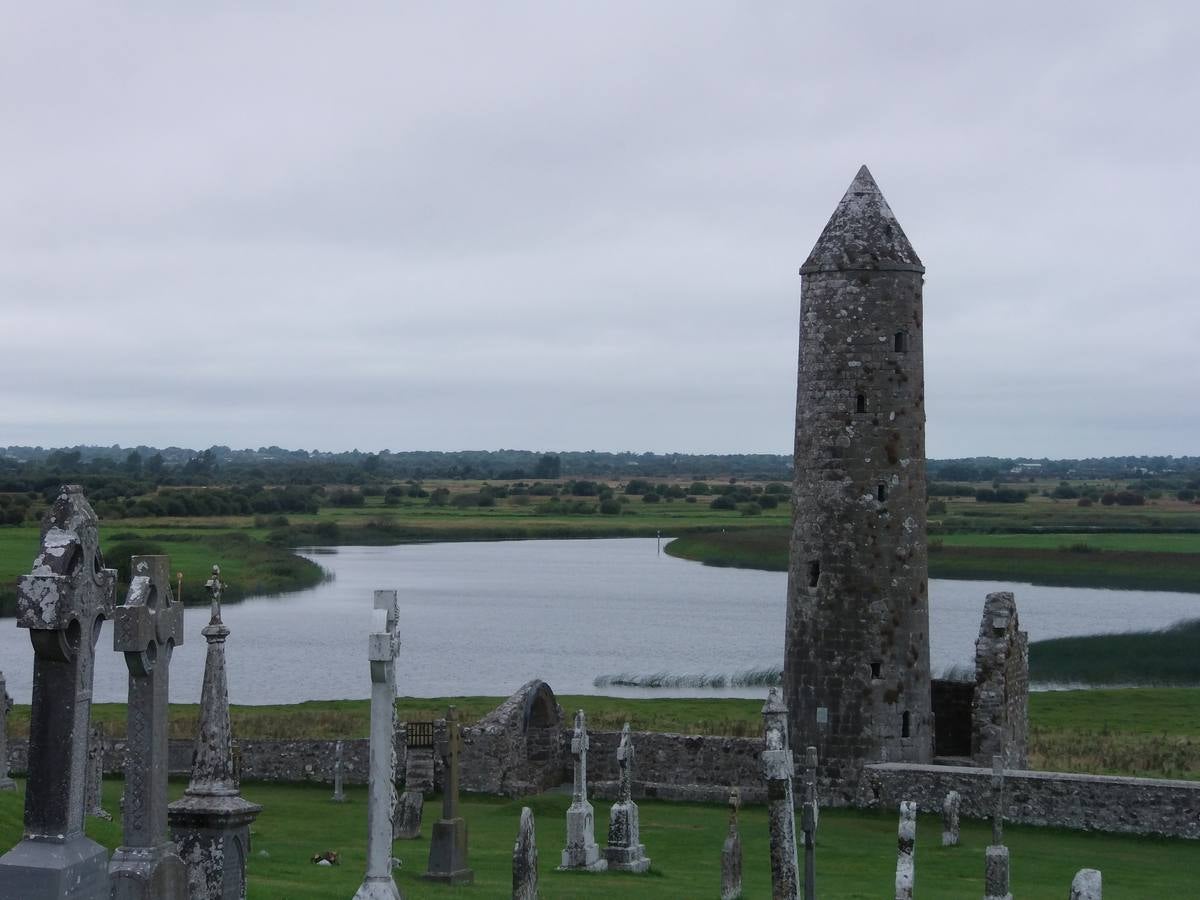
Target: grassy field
[
  {"x": 1152, "y": 732},
  {"x": 1135, "y": 561},
  {"x": 248, "y": 565},
  {"x": 856, "y": 852},
  {"x": 1166, "y": 656}
]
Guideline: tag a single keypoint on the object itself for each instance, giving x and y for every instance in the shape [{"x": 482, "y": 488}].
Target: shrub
[
  {"x": 1084, "y": 501},
  {"x": 347, "y": 498},
  {"x": 610, "y": 507},
  {"x": 936, "y": 507},
  {"x": 328, "y": 531},
  {"x": 1185, "y": 494},
  {"x": 724, "y": 501},
  {"x": 750, "y": 509},
  {"x": 439, "y": 497},
  {"x": 776, "y": 487},
  {"x": 651, "y": 497},
  {"x": 698, "y": 487}
]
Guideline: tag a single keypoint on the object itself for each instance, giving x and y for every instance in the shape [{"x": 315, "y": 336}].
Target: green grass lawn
[{"x": 856, "y": 851}]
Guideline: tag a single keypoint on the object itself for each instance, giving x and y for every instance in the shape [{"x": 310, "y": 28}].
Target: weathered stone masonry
[{"x": 856, "y": 660}]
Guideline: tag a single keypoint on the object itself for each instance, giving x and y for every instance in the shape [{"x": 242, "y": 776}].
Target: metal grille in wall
[{"x": 420, "y": 734}]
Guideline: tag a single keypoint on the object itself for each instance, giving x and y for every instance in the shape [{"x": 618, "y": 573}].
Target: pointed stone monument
[
  {"x": 147, "y": 628},
  {"x": 525, "y": 860},
  {"x": 996, "y": 856},
  {"x": 94, "y": 805},
  {"x": 1087, "y": 885},
  {"x": 731, "y": 852},
  {"x": 63, "y": 602},
  {"x": 906, "y": 864},
  {"x": 809, "y": 815},
  {"x": 339, "y": 795},
  {"x": 950, "y": 819},
  {"x": 856, "y": 675},
  {"x": 625, "y": 851},
  {"x": 581, "y": 851},
  {"x": 778, "y": 769},
  {"x": 6, "y": 705},
  {"x": 448, "y": 844},
  {"x": 210, "y": 823},
  {"x": 383, "y": 644}
]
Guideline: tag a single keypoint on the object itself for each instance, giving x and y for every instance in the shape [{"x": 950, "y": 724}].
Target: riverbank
[{"x": 1109, "y": 560}]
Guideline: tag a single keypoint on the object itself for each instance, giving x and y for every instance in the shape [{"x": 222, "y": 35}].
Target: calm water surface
[{"x": 482, "y": 618}]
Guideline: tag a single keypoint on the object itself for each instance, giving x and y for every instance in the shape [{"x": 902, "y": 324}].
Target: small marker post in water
[{"x": 659, "y": 535}]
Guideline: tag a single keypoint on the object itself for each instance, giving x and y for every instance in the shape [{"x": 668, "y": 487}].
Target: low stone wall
[
  {"x": 1080, "y": 802},
  {"x": 675, "y": 766}
]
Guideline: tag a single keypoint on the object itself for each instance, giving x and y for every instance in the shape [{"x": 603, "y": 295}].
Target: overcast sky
[{"x": 578, "y": 225}]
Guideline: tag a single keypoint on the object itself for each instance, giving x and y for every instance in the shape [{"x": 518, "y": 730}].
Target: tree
[
  {"x": 133, "y": 463},
  {"x": 549, "y": 466}
]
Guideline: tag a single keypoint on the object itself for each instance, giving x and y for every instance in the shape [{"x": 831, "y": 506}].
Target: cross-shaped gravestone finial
[{"x": 215, "y": 586}]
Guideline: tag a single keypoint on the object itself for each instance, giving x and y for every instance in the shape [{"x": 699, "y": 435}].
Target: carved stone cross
[
  {"x": 579, "y": 749},
  {"x": 63, "y": 601},
  {"x": 625, "y": 759},
  {"x": 450, "y": 750},
  {"x": 147, "y": 629}
]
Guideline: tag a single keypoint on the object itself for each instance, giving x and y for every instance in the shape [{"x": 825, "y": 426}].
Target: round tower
[{"x": 856, "y": 660}]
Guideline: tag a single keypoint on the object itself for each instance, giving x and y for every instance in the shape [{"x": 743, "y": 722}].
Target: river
[{"x": 484, "y": 617}]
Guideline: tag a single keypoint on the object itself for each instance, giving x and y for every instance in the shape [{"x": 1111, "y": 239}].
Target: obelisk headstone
[
  {"x": 62, "y": 602},
  {"x": 996, "y": 856},
  {"x": 581, "y": 851},
  {"x": 210, "y": 823},
  {"x": 809, "y": 815},
  {"x": 1087, "y": 885},
  {"x": 950, "y": 819},
  {"x": 147, "y": 628},
  {"x": 383, "y": 644},
  {"x": 6, "y": 705},
  {"x": 525, "y": 860},
  {"x": 731, "y": 852},
  {"x": 778, "y": 769},
  {"x": 624, "y": 851},
  {"x": 94, "y": 804},
  {"x": 339, "y": 795},
  {"x": 906, "y": 867},
  {"x": 448, "y": 843}
]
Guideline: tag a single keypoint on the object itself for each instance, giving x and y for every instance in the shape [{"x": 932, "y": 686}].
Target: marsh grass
[
  {"x": 1167, "y": 656},
  {"x": 769, "y": 676}
]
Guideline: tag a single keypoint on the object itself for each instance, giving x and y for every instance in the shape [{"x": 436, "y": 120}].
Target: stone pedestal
[
  {"x": 582, "y": 851},
  {"x": 448, "y": 853},
  {"x": 525, "y": 860},
  {"x": 63, "y": 603},
  {"x": 1087, "y": 885},
  {"x": 624, "y": 852},
  {"x": 996, "y": 874}
]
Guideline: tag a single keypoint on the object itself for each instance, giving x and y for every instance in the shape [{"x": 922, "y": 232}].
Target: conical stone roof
[{"x": 862, "y": 234}]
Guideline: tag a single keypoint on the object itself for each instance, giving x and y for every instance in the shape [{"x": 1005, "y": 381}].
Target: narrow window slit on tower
[
  {"x": 901, "y": 341},
  {"x": 876, "y": 670},
  {"x": 906, "y": 725},
  {"x": 860, "y": 404},
  {"x": 881, "y": 492},
  {"x": 814, "y": 572}
]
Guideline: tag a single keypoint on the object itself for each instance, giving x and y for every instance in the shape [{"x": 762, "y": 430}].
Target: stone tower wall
[
  {"x": 1000, "y": 712},
  {"x": 856, "y": 671}
]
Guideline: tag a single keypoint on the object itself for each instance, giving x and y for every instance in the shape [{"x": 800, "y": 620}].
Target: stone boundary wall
[
  {"x": 694, "y": 768},
  {"x": 1081, "y": 802},
  {"x": 688, "y": 767}
]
